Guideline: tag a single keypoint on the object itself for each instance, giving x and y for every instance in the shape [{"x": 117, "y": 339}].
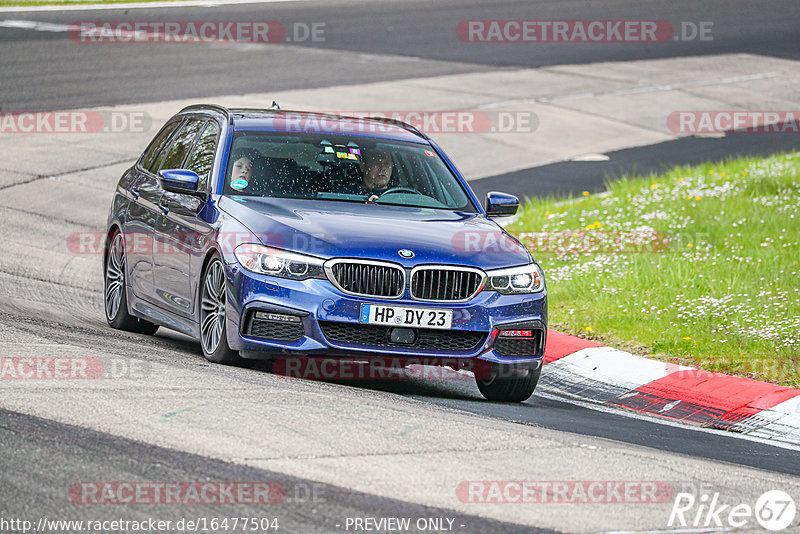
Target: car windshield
[{"x": 341, "y": 168}]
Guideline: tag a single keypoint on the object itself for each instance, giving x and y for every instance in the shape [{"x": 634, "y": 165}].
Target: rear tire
[
  {"x": 115, "y": 293},
  {"x": 213, "y": 304},
  {"x": 498, "y": 386}
]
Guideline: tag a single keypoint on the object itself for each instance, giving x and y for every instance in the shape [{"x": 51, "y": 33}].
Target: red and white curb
[{"x": 608, "y": 376}]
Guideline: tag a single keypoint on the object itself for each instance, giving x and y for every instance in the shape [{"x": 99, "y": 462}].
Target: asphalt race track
[
  {"x": 420, "y": 32},
  {"x": 363, "y": 448}
]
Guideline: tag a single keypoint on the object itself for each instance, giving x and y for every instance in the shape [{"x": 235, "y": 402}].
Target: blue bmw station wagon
[{"x": 273, "y": 234}]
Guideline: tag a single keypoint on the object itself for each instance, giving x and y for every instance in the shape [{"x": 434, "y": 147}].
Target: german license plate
[{"x": 409, "y": 317}]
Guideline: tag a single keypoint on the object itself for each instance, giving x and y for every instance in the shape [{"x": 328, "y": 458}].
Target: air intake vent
[
  {"x": 267, "y": 325},
  {"x": 427, "y": 340}
]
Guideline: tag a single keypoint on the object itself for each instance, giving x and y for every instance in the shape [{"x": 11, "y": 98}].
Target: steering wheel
[{"x": 401, "y": 190}]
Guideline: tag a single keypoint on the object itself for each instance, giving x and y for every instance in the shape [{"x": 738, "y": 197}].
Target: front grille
[
  {"x": 266, "y": 329},
  {"x": 431, "y": 340},
  {"x": 520, "y": 346},
  {"x": 367, "y": 278},
  {"x": 451, "y": 284}
]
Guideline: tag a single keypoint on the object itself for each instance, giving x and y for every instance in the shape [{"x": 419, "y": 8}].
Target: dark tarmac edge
[
  {"x": 573, "y": 177},
  {"x": 43, "y": 458}
]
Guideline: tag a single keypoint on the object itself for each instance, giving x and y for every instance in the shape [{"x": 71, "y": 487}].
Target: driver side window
[
  {"x": 201, "y": 160},
  {"x": 157, "y": 147},
  {"x": 182, "y": 144}
]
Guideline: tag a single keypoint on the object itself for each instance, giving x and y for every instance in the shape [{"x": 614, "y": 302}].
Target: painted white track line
[
  {"x": 137, "y": 5},
  {"x": 34, "y": 25}
]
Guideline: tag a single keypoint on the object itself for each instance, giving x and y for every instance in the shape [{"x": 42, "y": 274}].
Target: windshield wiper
[{"x": 384, "y": 203}]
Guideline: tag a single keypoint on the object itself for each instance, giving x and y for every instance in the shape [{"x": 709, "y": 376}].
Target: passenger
[{"x": 242, "y": 169}]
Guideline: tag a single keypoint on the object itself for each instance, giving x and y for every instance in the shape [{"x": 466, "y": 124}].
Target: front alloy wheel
[{"x": 213, "y": 300}]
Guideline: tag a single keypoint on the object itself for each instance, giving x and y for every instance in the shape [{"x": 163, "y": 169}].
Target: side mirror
[
  {"x": 501, "y": 204},
  {"x": 179, "y": 181}
]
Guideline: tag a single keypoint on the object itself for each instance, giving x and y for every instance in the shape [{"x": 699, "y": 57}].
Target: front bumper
[{"x": 331, "y": 327}]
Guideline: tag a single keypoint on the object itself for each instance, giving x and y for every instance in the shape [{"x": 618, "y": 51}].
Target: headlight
[
  {"x": 275, "y": 262},
  {"x": 515, "y": 280}
]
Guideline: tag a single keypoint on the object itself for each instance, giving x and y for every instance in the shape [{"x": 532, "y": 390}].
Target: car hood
[{"x": 343, "y": 229}]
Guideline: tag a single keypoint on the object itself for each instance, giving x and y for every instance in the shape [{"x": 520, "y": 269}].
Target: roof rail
[
  {"x": 399, "y": 123},
  {"x": 229, "y": 113},
  {"x": 204, "y": 107}
]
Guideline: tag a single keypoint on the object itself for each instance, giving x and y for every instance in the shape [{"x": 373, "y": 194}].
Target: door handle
[{"x": 164, "y": 205}]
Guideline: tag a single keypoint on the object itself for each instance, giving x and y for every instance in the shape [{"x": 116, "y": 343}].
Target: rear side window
[
  {"x": 202, "y": 158},
  {"x": 182, "y": 144},
  {"x": 158, "y": 145}
]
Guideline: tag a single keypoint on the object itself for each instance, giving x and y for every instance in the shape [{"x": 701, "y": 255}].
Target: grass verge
[{"x": 697, "y": 266}]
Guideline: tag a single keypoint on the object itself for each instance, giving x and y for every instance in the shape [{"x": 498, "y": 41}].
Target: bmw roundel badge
[{"x": 405, "y": 253}]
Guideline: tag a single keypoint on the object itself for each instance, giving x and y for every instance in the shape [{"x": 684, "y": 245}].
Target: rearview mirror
[
  {"x": 501, "y": 204},
  {"x": 179, "y": 181}
]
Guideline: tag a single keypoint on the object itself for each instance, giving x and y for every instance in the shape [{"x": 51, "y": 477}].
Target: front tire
[
  {"x": 116, "y": 298},
  {"x": 500, "y": 385},
  {"x": 213, "y": 303}
]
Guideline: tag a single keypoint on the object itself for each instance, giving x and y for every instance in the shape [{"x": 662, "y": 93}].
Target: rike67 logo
[{"x": 774, "y": 510}]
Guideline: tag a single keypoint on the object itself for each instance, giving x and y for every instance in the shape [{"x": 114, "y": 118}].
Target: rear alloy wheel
[
  {"x": 507, "y": 385},
  {"x": 115, "y": 296},
  {"x": 213, "y": 300}
]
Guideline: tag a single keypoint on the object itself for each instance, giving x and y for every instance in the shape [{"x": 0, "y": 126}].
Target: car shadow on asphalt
[{"x": 424, "y": 381}]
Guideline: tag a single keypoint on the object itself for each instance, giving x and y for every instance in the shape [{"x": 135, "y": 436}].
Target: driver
[{"x": 376, "y": 167}]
